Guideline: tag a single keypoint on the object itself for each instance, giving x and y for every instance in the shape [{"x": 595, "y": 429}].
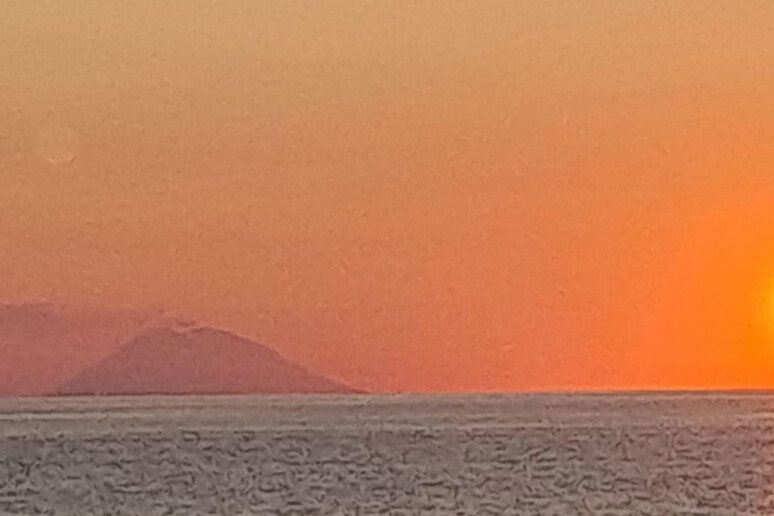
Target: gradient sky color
[{"x": 431, "y": 196}]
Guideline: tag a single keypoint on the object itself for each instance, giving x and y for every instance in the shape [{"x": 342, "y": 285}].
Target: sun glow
[
  {"x": 764, "y": 322},
  {"x": 770, "y": 310}
]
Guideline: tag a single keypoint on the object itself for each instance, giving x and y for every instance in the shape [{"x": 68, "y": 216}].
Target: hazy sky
[{"x": 408, "y": 195}]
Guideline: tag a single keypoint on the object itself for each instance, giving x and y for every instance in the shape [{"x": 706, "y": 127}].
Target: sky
[{"x": 407, "y": 195}]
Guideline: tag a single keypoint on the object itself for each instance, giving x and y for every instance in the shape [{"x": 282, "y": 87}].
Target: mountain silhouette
[
  {"x": 196, "y": 361},
  {"x": 48, "y": 349}
]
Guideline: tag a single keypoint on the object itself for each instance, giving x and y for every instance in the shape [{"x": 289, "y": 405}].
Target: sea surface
[{"x": 623, "y": 454}]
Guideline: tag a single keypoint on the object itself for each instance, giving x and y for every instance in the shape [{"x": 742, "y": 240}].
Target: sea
[{"x": 665, "y": 453}]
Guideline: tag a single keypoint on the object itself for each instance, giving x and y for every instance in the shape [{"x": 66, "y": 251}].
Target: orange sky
[{"x": 435, "y": 195}]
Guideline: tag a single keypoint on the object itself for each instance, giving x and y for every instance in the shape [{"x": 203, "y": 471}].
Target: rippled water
[{"x": 400, "y": 455}]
